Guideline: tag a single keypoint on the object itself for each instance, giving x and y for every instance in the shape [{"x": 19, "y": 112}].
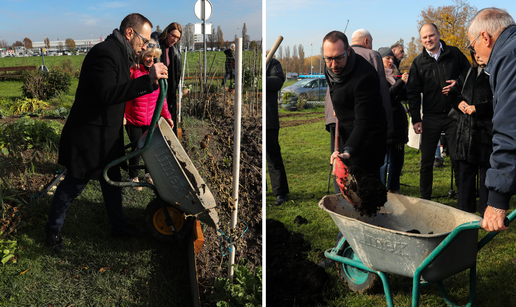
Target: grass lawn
[
  {"x": 95, "y": 269},
  {"x": 306, "y": 153}
]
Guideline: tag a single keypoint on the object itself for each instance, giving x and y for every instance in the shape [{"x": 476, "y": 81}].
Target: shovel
[{"x": 365, "y": 192}]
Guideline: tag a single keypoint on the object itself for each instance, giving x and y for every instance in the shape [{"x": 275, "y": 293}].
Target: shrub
[
  {"x": 28, "y": 133},
  {"x": 246, "y": 289},
  {"x": 42, "y": 85},
  {"x": 29, "y": 105}
]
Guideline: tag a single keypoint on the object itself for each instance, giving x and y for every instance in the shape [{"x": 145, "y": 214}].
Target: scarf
[
  {"x": 389, "y": 76},
  {"x": 129, "y": 52},
  {"x": 339, "y": 78}
]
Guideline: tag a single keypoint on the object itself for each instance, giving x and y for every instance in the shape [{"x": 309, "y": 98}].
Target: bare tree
[
  {"x": 47, "y": 43},
  {"x": 280, "y": 53},
  {"x": 244, "y": 35},
  {"x": 220, "y": 37},
  {"x": 188, "y": 36}
]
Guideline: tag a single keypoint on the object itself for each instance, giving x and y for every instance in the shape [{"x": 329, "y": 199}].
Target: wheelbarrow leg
[{"x": 472, "y": 288}]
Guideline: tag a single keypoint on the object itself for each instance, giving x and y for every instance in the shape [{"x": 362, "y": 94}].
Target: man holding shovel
[
  {"x": 357, "y": 103},
  {"x": 355, "y": 95}
]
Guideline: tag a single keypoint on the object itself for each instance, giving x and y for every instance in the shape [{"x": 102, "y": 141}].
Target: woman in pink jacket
[{"x": 138, "y": 112}]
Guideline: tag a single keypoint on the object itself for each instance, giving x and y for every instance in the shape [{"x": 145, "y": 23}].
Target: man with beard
[
  {"x": 93, "y": 134},
  {"x": 355, "y": 95}
]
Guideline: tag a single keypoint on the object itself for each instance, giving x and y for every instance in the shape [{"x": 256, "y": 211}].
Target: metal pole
[
  {"x": 311, "y": 56},
  {"x": 236, "y": 150}
]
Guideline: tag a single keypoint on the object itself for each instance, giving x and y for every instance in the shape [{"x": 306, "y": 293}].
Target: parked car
[{"x": 310, "y": 89}]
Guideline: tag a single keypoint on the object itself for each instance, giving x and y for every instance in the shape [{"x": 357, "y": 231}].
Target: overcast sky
[
  {"x": 80, "y": 19},
  {"x": 304, "y": 22}
]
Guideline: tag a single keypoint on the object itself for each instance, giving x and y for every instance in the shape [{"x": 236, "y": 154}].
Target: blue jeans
[
  {"x": 394, "y": 160},
  {"x": 72, "y": 187}
]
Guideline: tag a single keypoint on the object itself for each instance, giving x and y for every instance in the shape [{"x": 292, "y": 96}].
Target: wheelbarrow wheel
[
  {"x": 157, "y": 224},
  {"x": 357, "y": 280}
]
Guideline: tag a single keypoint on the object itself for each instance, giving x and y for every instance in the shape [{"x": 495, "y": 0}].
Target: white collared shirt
[{"x": 435, "y": 55}]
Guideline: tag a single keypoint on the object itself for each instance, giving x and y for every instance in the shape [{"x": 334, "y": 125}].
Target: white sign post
[{"x": 203, "y": 10}]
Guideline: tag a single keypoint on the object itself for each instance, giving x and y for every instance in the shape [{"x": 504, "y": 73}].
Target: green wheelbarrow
[
  {"x": 409, "y": 236},
  {"x": 182, "y": 197}
]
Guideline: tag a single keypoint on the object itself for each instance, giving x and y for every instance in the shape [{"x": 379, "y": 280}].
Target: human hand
[
  {"x": 170, "y": 122},
  {"x": 158, "y": 71},
  {"x": 418, "y": 128},
  {"x": 345, "y": 155},
  {"x": 447, "y": 88},
  {"x": 125, "y": 121},
  {"x": 404, "y": 77},
  {"x": 494, "y": 220}
]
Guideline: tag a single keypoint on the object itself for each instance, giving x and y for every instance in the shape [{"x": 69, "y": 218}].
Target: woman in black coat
[
  {"x": 472, "y": 97},
  {"x": 171, "y": 57}
]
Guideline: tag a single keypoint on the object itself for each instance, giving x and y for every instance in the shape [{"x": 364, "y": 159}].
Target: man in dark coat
[
  {"x": 279, "y": 183},
  {"x": 357, "y": 102},
  {"x": 230, "y": 63},
  {"x": 355, "y": 95},
  {"x": 93, "y": 134},
  {"x": 171, "y": 57},
  {"x": 431, "y": 74}
]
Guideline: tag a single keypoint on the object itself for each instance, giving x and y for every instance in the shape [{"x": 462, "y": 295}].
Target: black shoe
[
  {"x": 438, "y": 162},
  {"x": 129, "y": 231},
  {"x": 326, "y": 263},
  {"x": 280, "y": 199},
  {"x": 54, "y": 240}
]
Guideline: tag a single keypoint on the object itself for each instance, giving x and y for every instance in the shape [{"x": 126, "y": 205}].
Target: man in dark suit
[{"x": 93, "y": 134}]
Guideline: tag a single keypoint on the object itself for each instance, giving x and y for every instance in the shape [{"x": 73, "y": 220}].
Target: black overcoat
[
  {"x": 474, "y": 132},
  {"x": 359, "y": 108},
  {"x": 93, "y": 134}
]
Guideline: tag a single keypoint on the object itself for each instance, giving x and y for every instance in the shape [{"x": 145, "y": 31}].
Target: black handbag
[{"x": 454, "y": 114}]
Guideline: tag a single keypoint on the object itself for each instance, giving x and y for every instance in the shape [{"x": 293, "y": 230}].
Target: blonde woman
[{"x": 139, "y": 111}]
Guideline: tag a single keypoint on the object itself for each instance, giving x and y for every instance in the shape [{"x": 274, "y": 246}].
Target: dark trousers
[
  {"x": 275, "y": 163},
  {"x": 72, "y": 187},
  {"x": 467, "y": 187},
  {"x": 433, "y": 124},
  {"x": 172, "y": 108},
  {"x": 135, "y": 133},
  {"x": 331, "y": 128}
]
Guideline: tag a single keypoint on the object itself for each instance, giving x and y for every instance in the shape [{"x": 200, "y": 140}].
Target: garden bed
[{"x": 214, "y": 163}]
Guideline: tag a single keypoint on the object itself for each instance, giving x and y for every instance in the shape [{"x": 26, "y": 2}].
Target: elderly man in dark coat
[{"x": 93, "y": 134}]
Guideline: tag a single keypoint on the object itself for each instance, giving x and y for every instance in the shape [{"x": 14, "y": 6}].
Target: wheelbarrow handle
[{"x": 506, "y": 222}]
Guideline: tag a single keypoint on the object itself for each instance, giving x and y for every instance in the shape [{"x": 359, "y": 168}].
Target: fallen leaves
[{"x": 102, "y": 270}]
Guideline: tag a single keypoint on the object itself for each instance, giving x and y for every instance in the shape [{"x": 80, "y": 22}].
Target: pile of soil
[{"x": 291, "y": 278}]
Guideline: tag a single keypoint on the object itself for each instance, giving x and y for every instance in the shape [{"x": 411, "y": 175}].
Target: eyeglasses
[
  {"x": 337, "y": 59},
  {"x": 145, "y": 41},
  {"x": 470, "y": 46},
  {"x": 174, "y": 37}
]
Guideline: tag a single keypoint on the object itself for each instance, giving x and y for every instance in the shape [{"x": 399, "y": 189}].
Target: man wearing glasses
[
  {"x": 354, "y": 88},
  {"x": 492, "y": 34},
  {"x": 430, "y": 73},
  {"x": 93, "y": 134},
  {"x": 355, "y": 94}
]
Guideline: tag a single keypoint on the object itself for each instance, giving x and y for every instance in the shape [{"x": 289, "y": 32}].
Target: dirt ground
[
  {"x": 291, "y": 278},
  {"x": 217, "y": 173}
]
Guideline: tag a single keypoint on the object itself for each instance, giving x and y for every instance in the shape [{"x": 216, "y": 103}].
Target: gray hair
[
  {"x": 360, "y": 33},
  {"x": 492, "y": 20}
]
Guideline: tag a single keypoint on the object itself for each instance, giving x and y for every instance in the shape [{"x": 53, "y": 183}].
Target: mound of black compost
[{"x": 291, "y": 278}]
